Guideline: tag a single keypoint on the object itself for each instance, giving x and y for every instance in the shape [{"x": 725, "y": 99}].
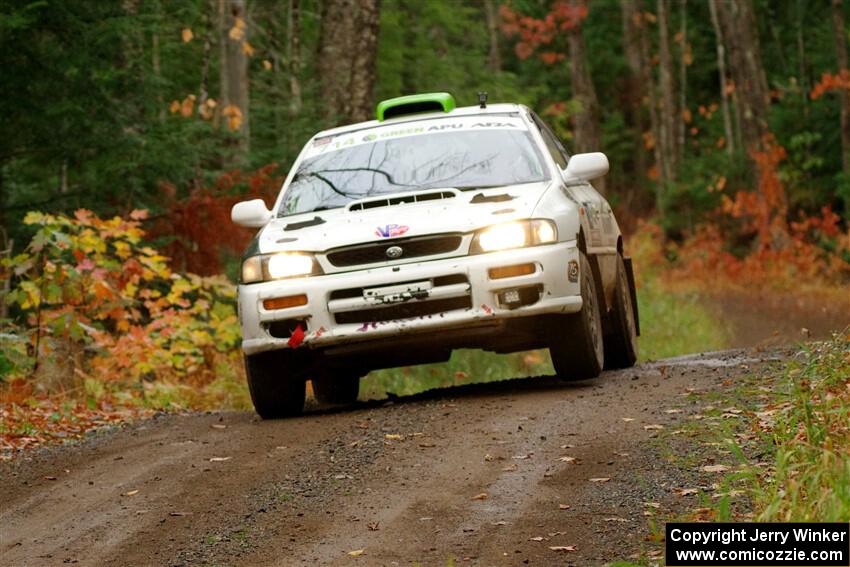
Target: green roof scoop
[{"x": 414, "y": 104}]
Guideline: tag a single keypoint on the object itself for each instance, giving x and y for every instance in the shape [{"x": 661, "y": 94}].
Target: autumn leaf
[
  {"x": 131, "y": 493},
  {"x": 219, "y": 459},
  {"x": 186, "y": 35},
  {"x": 562, "y": 547},
  {"x": 237, "y": 32},
  {"x": 267, "y": 65},
  {"x": 247, "y": 48},
  {"x": 715, "y": 468},
  {"x": 482, "y": 496},
  {"x": 357, "y": 552},
  {"x": 600, "y": 479}
]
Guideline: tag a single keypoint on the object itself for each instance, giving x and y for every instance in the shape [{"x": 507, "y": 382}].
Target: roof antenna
[{"x": 482, "y": 99}]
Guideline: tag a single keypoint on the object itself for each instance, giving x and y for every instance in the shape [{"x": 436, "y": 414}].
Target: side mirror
[
  {"x": 586, "y": 167},
  {"x": 252, "y": 214}
]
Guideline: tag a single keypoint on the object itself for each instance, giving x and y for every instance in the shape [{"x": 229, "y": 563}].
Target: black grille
[
  {"x": 413, "y": 308},
  {"x": 452, "y": 279},
  {"x": 377, "y": 252}
]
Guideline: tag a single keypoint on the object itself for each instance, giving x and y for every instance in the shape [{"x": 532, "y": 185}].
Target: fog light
[
  {"x": 511, "y": 271},
  {"x": 284, "y": 302},
  {"x": 572, "y": 271}
]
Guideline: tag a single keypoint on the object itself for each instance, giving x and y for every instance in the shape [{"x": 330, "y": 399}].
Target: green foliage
[
  {"x": 810, "y": 419},
  {"x": 93, "y": 282}
]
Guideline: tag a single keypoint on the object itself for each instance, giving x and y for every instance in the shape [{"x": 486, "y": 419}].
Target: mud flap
[{"x": 630, "y": 274}]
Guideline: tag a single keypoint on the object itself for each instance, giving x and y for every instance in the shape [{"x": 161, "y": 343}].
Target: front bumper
[{"x": 321, "y": 314}]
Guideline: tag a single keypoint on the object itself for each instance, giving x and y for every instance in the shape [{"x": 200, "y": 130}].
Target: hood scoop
[
  {"x": 304, "y": 224},
  {"x": 482, "y": 198},
  {"x": 406, "y": 199}
]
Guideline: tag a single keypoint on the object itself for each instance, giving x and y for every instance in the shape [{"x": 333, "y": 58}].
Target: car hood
[{"x": 468, "y": 211}]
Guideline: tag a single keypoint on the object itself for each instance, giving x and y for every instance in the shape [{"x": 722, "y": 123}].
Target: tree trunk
[
  {"x": 633, "y": 14},
  {"x": 348, "y": 47},
  {"x": 721, "y": 68},
  {"x": 635, "y": 91},
  {"x": 234, "y": 71},
  {"x": 494, "y": 58},
  {"x": 365, "y": 56},
  {"x": 587, "y": 117},
  {"x": 841, "y": 59},
  {"x": 294, "y": 56},
  {"x": 739, "y": 30},
  {"x": 668, "y": 103},
  {"x": 683, "y": 78}
]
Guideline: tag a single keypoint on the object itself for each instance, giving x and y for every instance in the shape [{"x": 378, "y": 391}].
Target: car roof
[{"x": 403, "y": 119}]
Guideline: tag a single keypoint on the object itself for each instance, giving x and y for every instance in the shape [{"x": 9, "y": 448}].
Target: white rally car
[{"x": 429, "y": 229}]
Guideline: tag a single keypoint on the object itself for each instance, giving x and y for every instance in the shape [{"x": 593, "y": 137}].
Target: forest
[{"x": 130, "y": 129}]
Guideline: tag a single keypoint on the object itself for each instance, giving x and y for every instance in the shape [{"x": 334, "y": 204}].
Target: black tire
[
  {"x": 576, "y": 340},
  {"x": 336, "y": 387},
  {"x": 277, "y": 382},
  {"x": 621, "y": 345}
]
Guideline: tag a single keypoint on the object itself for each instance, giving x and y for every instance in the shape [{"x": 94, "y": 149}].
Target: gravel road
[{"x": 491, "y": 474}]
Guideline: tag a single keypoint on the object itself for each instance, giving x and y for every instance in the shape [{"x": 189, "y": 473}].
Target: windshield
[{"x": 463, "y": 158}]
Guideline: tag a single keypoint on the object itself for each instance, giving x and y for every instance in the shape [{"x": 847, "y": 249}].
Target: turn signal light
[
  {"x": 511, "y": 271},
  {"x": 284, "y": 302}
]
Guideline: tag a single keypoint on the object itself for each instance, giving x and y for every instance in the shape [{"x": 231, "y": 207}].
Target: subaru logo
[{"x": 394, "y": 252}]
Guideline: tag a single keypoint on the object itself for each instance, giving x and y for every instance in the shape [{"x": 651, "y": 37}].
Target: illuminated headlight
[
  {"x": 278, "y": 266},
  {"x": 514, "y": 235}
]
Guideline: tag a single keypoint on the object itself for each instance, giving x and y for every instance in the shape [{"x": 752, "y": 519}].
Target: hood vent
[{"x": 402, "y": 200}]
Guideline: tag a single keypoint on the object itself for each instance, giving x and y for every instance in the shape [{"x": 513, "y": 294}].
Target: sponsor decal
[{"x": 391, "y": 230}]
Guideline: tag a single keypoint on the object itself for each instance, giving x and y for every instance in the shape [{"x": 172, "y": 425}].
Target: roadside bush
[{"x": 95, "y": 302}]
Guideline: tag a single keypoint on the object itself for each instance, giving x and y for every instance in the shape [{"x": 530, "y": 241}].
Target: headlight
[
  {"x": 278, "y": 266},
  {"x": 514, "y": 235}
]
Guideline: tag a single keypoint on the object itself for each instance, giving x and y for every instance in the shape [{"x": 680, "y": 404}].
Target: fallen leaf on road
[
  {"x": 653, "y": 426},
  {"x": 521, "y": 457},
  {"x": 131, "y": 493},
  {"x": 218, "y": 426},
  {"x": 562, "y": 547},
  {"x": 357, "y": 552},
  {"x": 627, "y": 419},
  {"x": 600, "y": 479},
  {"x": 482, "y": 496},
  {"x": 219, "y": 459},
  {"x": 393, "y": 436},
  {"x": 50, "y": 478},
  {"x": 567, "y": 446},
  {"x": 715, "y": 468},
  {"x": 616, "y": 519},
  {"x": 672, "y": 411},
  {"x": 566, "y": 459},
  {"x": 538, "y": 538},
  {"x": 685, "y": 491},
  {"x": 563, "y": 506}
]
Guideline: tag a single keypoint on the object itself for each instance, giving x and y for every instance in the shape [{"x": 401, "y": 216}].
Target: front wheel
[
  {"x": 575, "y": 341},
  {"x": 277, "y": 382},
  {"x": 621, "y": 345}
]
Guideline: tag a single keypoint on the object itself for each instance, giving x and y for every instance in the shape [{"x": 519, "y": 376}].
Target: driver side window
[{"x": 553, "y": 144}]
